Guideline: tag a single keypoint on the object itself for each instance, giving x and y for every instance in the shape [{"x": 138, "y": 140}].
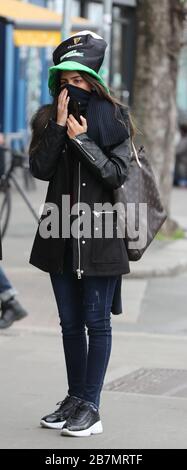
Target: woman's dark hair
[{"x": 42, "y": 116}]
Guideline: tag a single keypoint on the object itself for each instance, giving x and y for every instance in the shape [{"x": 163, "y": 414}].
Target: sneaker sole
[
  {"x": 44, "y": 424},
  {"x": 96, "y": 428}
]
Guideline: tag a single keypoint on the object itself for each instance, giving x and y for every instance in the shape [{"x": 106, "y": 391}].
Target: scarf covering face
[
  {"x": 103, "y": 125},
  {"x": 80, "y": 95}
]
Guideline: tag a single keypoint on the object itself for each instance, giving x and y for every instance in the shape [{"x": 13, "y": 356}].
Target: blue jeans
[
  {"x": 84, "y": 303},
  {"x": 6, "y": 289}
]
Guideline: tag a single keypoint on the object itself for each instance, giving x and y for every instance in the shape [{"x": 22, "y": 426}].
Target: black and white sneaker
[
  {"x": 83, "y": 422},
  {"x": 58, "y": 418}
]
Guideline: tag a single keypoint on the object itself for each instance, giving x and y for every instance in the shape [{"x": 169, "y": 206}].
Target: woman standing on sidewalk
[{"x": 85, "y": 160}]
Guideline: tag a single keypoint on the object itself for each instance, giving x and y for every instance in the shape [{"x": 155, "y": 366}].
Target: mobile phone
[{"x": 73, "y": 108}]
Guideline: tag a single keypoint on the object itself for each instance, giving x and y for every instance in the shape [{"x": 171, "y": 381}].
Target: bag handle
[{"x": 136, "y": 154}]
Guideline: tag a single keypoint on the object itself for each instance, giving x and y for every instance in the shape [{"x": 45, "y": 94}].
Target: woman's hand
[
  {"x": 74, "y": 128},
  {"x": 62, "y": 107}
]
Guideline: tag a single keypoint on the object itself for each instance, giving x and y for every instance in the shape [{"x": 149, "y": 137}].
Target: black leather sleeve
[
  {"x": 110, "y": 167},
  {"x": 43, "y": 156}
]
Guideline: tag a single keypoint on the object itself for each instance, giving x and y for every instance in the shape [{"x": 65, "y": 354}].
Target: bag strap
[
  {"x": 134, "y": 151},
  {"x": 136, "y": 154}
]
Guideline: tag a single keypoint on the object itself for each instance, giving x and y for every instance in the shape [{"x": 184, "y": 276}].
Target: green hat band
[{"x": 71, "y": 65}]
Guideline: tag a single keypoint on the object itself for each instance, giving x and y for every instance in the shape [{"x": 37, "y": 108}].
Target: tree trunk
[{"x": 159, "y": 36}]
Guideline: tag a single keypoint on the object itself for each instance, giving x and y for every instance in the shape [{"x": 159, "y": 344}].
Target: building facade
[{"x": 123, "y": 44}]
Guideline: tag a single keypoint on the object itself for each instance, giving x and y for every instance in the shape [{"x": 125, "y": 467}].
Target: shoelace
[
  {"x": 76, "y": 411},
  {"x": 63, "y": 402},
  {"x": 81, "y": 405}
]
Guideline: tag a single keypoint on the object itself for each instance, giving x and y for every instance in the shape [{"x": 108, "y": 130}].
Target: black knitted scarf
[{"x": 104, "y": 126}]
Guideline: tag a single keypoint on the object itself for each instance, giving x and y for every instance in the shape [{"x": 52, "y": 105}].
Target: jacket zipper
[
  {"x": 78, "y": 142},
  {"x": 79, "y": 253}
]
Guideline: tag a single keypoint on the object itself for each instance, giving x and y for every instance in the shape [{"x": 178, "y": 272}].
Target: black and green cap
[{"x": 84, "y": 52}]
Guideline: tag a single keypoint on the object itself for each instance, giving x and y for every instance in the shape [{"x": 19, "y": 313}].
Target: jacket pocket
[{"x": 108, "y": 248}]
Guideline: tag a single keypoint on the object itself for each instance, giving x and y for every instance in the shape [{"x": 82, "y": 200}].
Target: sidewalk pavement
[
  {"x": 33, "y": 381},
  {"x": 166, "y": 258},
  {"x": 144, "y": 401},
  {"x": 162, "y": 258}
]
